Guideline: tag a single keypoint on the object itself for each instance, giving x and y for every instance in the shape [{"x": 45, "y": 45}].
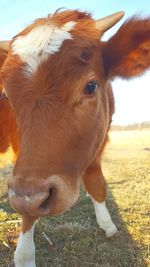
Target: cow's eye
[{"x": 91, "y": 88}]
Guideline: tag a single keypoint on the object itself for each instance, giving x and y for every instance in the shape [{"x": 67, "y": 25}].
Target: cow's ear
[{"x": 127, "y": 53}]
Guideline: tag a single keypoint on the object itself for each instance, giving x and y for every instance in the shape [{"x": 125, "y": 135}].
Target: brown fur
[
  {"x": 27, "y": 223},
  {"x": 62, "y": 130},
  {"x": 8, "y": 128}
]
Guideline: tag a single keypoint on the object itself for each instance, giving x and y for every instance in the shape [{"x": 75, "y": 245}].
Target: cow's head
[{"x": 56, "y": 79}]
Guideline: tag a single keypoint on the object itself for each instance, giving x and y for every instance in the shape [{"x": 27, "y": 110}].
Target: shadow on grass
[
  {"x": 4, "y": 205},
  {"x": 77, "y": 240}
]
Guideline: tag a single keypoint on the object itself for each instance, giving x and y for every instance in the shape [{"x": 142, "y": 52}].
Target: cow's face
[{"x": 55, "y": 82}]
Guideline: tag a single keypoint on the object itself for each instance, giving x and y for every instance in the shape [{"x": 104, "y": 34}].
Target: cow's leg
[
  {"x": 25, "y": 252},
  {"x": 95, "y": 186}
]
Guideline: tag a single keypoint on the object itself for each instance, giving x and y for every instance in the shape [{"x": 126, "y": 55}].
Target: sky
[{"x": 132, "y": 98}]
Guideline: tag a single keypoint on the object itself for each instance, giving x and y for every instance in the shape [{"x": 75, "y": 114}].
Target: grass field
[{"x": 76, "y": 239}]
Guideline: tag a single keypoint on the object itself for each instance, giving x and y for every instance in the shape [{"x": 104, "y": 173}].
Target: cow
[{"x": 56, "y": 75}]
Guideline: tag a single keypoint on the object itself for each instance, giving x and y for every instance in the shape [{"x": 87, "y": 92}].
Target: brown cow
[{"x": 57, "y": 79}]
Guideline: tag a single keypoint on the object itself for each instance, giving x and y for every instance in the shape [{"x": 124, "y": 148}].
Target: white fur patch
[
  {"x": 25, "y": 252},
  {"x": 40, "y": 42},
  {"x": 104, "y": 219}
]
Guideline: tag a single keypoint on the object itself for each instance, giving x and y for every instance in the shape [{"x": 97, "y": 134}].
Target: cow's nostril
[{"x": 46, "y": 204}]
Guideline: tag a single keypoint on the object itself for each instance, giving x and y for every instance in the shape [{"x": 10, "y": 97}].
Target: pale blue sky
[{"x": 132, "y": 98}]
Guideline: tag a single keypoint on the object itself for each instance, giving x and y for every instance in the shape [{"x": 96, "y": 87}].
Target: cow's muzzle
[{"x": 54, "y": 197}]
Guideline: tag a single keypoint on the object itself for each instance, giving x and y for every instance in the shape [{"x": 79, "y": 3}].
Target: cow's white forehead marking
[{"x": 40, "y": 42}]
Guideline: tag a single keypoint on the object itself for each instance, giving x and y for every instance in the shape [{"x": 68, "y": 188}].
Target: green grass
[{"x": 77, "y": 240}]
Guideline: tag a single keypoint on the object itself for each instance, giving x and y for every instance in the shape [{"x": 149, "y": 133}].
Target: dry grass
[{"x": 77, "y": 240}]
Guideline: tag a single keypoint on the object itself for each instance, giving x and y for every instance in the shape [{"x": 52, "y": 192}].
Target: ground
[{"x": 75, "y": 239}]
